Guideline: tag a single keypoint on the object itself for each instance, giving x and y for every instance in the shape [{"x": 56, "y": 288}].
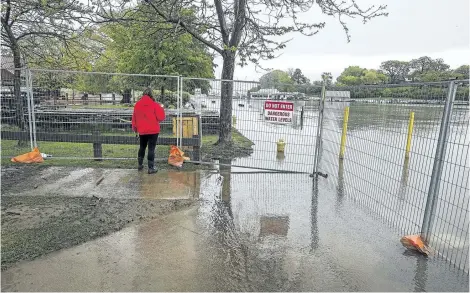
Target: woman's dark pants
[{"x": 149, "y": 140}]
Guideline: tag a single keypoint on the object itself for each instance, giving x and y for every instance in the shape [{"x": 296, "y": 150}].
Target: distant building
[
  {"x": 337, "y": 95},
  {"x": 263, "y": 94},
  {"x": 274, "y": 94},
  {"x": 7, "y": 70}
]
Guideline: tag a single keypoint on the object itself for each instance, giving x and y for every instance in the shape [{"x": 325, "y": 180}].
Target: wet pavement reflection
[{"x": 248, "y": 232}]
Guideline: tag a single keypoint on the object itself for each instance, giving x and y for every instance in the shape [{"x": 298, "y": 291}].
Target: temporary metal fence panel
[
  {"x": 447, "y": 214},
  {"x": 253, "y": 112},
  {"x": 16, "y": 113},
  {"x": 74, "y": 110},
  {"x": 378, "y": 146}
]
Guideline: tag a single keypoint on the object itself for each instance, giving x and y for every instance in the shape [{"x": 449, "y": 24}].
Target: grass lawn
[{"x": 81, "y": 154}]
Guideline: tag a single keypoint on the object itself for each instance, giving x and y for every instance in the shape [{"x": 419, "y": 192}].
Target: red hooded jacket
[{"x": 147, "y": 116}]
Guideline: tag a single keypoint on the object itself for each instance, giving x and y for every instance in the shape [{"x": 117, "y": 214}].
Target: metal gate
[{"x": 265, "y": 119}]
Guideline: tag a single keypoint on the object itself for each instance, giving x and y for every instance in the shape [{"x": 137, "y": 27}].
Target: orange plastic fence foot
[{"x": 414, "y": 242}]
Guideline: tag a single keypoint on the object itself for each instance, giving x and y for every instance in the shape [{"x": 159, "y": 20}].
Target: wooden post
[
  {"x": 197, "y": 148},
  {"x": 97, "y": 147},
  {"x": 101, "y": 100},
  {"x": 114, "y": 99}
]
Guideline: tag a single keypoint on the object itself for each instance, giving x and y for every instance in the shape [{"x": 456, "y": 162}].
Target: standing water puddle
[{"x": 248, "y": 232}]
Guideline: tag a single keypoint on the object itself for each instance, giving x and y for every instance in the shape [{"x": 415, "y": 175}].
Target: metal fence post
[
  {"x": 319, "y": 129},
  {"x": 433, "y": 192},
  {"x": 178, "y": 97},
  {"x": 28, "y": 100},
  {"x": 33, "y": 115},
  {"x": 180, "y": 110}
]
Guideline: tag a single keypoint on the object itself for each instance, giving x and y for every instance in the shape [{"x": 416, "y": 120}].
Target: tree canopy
[
  {"x": 355, "y": 75},
  {"x": 423, "y": 69},
  {"x": 297, "y": 76},
  {"x": 277, "y": 79},
  {"x": 28, "y": 26},
  {"x": 243, "y": 30}
]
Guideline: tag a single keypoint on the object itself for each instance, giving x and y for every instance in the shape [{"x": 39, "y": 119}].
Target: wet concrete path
[
  {"x": 116, "y": 183},
  {"x": 249, "y": 232}
]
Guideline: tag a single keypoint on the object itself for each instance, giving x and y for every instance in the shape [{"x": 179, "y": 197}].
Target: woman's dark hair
[{"x": 148, "y": 92}]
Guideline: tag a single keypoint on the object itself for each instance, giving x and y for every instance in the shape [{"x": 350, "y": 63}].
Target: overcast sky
[{"x": 414, "y": 28}]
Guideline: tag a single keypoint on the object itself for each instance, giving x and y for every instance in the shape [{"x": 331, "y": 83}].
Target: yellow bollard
[
  {"x": 234, "y": 120},
  {"x": 410, "y": 133},
  {"x": 280, "y": 146},
  {"x": 343, "y": 136}
]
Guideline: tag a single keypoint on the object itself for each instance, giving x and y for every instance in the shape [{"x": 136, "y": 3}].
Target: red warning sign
[{"x": 278, "y": 112}]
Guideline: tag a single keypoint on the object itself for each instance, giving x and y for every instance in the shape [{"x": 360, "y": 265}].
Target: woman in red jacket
[{"x": 146, "y": 121}]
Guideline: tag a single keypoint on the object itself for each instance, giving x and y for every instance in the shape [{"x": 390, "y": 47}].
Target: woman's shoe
[
  {"x": 152, "y": 168},
  {"x": 141, "y": 164}
]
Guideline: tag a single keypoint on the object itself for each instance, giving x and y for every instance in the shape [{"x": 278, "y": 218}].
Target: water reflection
[
  {"x": 280, "y": 156},
  {"x": 261, "y": 224},
  {"x": 229, "y": 245},
  {"x": 340, "y": 186},
  {"x": 404, "y": 179},
  {"x": 420, "y": 277},
  {"x": 387, "y": 116},
  {"x": 226, "y": 171},
  {"x": 169, "y": 185},
  {"x": 314, "y": 216}
]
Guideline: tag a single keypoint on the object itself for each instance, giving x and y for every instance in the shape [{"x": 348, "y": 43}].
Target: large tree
[
  {"x": 396, "y": 71},
  {"x": 133, "y": 48},
  {"x": 355, "y": 75},
  {"x": 249, "y": 30},
  {"x": 327, "y": 78},
  {"x": 298, "y": 77},
  {"x": 277, "y": 79},
  {"x": 423, "y": 65},
  {"x": 351, "y": 75},
  {"x": 462, "y": 71},
  {"x": 372, "y": 76},
  {"x": 28, "y": 24}
]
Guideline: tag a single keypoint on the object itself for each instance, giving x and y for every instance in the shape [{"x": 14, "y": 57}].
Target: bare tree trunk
[
  {"x": 225, "y": 129},
  {"x": 162, "y": 94},
  {"x": 126, "y": 96}
]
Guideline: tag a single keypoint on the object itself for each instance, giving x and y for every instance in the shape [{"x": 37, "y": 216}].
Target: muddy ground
[{"x": 36, "y": 225}]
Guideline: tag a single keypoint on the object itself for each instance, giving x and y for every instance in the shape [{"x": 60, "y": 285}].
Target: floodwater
[
  {"x": 376, "y": 174},
  {"x": 300, "y": 141},
  {"x": 374, "y": 171},
  {"x": 249, "y": 232}
]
